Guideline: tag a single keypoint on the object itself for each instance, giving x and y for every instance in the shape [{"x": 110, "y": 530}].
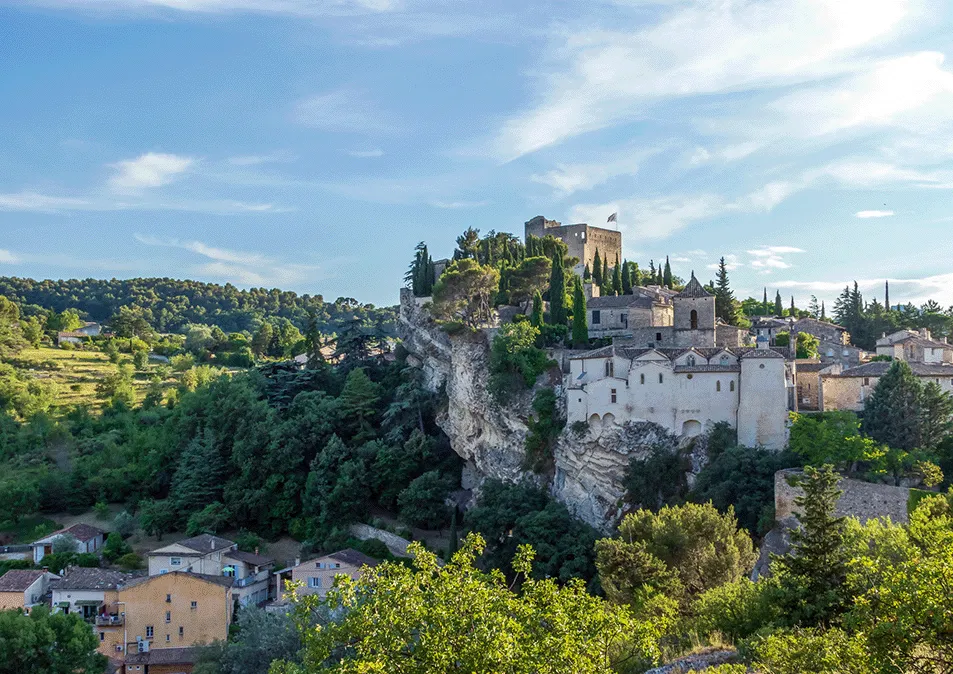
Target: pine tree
[
  {"x": 892, "y": 413},
  {"x": 626, "y": 278},
  {"x": 816, "y": 567},
  {"x": 667, "y": 275},
  {"x": 597, "y": 269},
  {"x": 813, "y": 307},
  {"x": 536, "y": 318},
  {"x": 617, "y": 286},
  {"x": 580, "y": 328},
  {"x": 724, "y": 298},
  {"x": 778, "y": 307},
  {"x": 557, "y": 291}
]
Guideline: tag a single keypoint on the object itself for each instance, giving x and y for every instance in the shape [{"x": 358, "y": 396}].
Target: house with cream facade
[
  {"x": 316, "y": 576},
  {"x": 24, "y": 588},
  {"x": 915, "y": 346}
]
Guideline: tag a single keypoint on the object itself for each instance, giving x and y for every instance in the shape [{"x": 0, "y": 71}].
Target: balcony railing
[
  {"x": 109, "y": 620},
  {"x": 251, "y": 580}
]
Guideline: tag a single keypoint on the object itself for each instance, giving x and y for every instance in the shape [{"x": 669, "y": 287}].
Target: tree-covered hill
[{"x": 171, "y": 304}]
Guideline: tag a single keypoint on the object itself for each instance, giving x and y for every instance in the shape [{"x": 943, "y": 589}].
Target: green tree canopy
[{"x": 44, "y": 643}]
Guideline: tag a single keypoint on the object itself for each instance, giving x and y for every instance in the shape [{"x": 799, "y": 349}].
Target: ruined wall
[{"x": 863, "y": 500}]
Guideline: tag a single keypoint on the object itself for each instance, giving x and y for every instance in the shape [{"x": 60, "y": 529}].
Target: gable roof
[
  {"x": 807, "y": 320},
  {"x": 249, "y": 558},
  {"x": 761, "y": 353},
  {"x": 202, "y": 544},
  {"x": 224, "y": 581},
  {"x": 694, "y": 289},
  {"x": 19, "y": 580},
  {"x": 352, "y": 557},
  {"x": 879, "y": 368},
  {"x": 166, "y": 656},
  {"x": 79, "y": 578},
  {"x": 81, "y": 532},
  {"x": 616, "y": 301}
]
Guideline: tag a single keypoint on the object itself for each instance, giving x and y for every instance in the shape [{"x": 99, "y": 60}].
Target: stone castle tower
[{"x": 583, "y": 240}]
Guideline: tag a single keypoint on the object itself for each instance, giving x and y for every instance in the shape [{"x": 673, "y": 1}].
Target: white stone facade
[{"x": 684, "y": 390}]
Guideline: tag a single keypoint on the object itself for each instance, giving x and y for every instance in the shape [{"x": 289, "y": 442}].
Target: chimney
[
  {"x": 256, "y": 549},
  {"x": 925, "y": 333},
  {"x": 297, "y": 561},
  {"x": 213, "y": 544}
]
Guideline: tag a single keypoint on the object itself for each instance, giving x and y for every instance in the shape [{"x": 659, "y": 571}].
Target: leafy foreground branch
[{"x": 426, "y": 619}]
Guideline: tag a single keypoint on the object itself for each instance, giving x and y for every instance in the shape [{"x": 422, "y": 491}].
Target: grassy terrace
[{"x": 76, "y": 373}]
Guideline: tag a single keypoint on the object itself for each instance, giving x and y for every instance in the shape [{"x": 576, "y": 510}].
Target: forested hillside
[{"x": 169, "y": 305}]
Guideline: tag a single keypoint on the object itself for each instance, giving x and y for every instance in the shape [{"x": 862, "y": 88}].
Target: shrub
[
  {"x": 125, "y": 524},
  {"x": 115, "y": 547},
  {"x": 130, "y": 562},
  {"x": 101, "y": 509},
  {"x": 515, "y": 361},
  {"x": 87, "y": 560},
  {"x": 67, "y": 346},
  {"x": 544, "y": 428},
  {"x": 140, "y": 360},
  {"x": 249, "y": 542},
  {"x": 182, "y": 362},
  {"x": 736, "y": 610},
  {"x": 423, "y": 503}
]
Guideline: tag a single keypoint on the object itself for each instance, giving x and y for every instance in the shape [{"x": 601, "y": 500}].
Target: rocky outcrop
[
  {"x": 697, "y": 663},
  {"x": 589, "y": 464}
]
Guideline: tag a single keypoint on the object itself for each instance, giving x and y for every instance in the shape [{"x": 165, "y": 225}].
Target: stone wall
[
  {"x": 863, "y": 500},
  {"x": 394, "y": 543}
]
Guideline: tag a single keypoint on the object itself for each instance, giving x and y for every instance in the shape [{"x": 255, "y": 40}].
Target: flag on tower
[{"x": 613, "y": 218}]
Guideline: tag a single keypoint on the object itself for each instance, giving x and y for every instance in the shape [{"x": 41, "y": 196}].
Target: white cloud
[
  {"x": 41, "y": 203},
  {"x": 768, "y": 258},
  {"x": 458, "y": 204},
  {"x": 366, "y": 154},
  {"x": 655, "y": 218},
  {"x": 6, "y": 257},
  {"x": 595, "y": 78},
  {"x": 258, "y": 159},
  {"x": 873, "y": 214},
  {"x": 46, "y": 203},
  {"x": 152, "y": 169},
  {"x": 731, "y": 263},
  {"x": 243, "y": 267},
  {"x": 344, "y": 110},
  {"x": 568, "y": 178},
  {"x": 938, "y": 287}
]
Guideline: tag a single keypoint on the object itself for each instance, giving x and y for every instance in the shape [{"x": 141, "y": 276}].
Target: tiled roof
[
  {"x": 19, "y": 580},
  {"x": 250, "y": 558},
  {"x": 224, "y": 581},
  {"x": 79, "y": 578},
  {"x": 81, "y": 532},
  {"x": 353, "y": 557},
  {"x": 708, "y": 368},
  {"x": 761, "y": 353},
  {"x": 671, "y": 353},
  {"x": 811, "y": 367},
  {"x": 768, "y": 322},
  {"x": 879, "y": 368},
  {"x": 205, "y": 543},
  {"x": 815, "y": 322},
  {"x": 694, "y": 289}
]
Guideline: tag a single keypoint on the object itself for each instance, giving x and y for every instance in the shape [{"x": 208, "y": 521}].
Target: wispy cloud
[
  {"x": 40, "y": 203},
  {"x": 452, "y": 205},
  {"x": 6, "y": 257},
  {"x": 34, "y": 202},
  {"x": 306, "y": 8},
  {"x": 873, "y": 214},
  {"x": 152, "y": 169},
  {"x": 243, "y": 267},
  {"x": 345, "y": 111},
  {"x": 938, "y": 287},
  {"x": 769, "y": 258},
  {"x": 258, "y": 159},
  {"x": 568, "y": 178}
]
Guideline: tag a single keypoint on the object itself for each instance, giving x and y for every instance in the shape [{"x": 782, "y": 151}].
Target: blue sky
[{"x": 309, "y": 144}]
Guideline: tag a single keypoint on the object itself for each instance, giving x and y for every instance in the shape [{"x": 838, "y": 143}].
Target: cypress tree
[
  {"x": 659, "y": 278},
  {"x": 652, "y": 270},
  {"x": 536, "y": 318},
  {"x": 887, "y": 295},
  {"x": 557, "y": 291},
  {"x": 580, "y": 328},
  {"x": 823, "y": 311},
  {"x": 778, "y": 307},
  {"x": 617, "y": 286},
  {"x": 764, "y": 302},
  {"x": 793, "y": 308},
  {"x": 597, "y": 269},
  {"x": 586, "y": 274},
  {"x": 606, "y": 279},
  {"x": 636, "y": 276},
  {"x": 667, "y": 276},
  {"x": 626, "y": 278},
  {"x": 724, "y": 297}
]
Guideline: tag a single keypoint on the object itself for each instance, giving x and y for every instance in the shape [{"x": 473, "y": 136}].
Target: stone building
[
  {"x": 24, "y": 588},
  {"x": 849, "y": 389},
  {"x": 916, "y": 347},
  {"x": 317, "y": 575},
  {"x": 807, "y": 377},
  {"x": 583, "y": 240},
  {"x": 685, "y": 390}
]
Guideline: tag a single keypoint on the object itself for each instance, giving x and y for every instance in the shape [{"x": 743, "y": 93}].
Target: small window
[
  {"x": 314, "y": 582},
  {"x": 612, "y": 396},
  {"x": 724, "y": 361},
  {"x": 596, "y": 317},
  {"x": 731, "y": 386},
  {"x": 150, "y": 631},
  {"x": 866, "y": 381},
  {"x": 658, "y": 336},
  {"x": 162, "y": 572},
  {"x": 642, "y": 378},
  {"x": 181, "y": 631},
  {"x": 168, "y": 616},
  {"x": 718, "y": 385},
  {"x": 661, "y": 378},
  {"x": 168, "y": 638},
  {"x": 168, "y": 599},
  {"x": 102, "y": 636},
  {"x": 337, "y": 565},
  {"x": 175, "y": 561},
  {"x": 691, "y": 361},
  {"x": 195, "y": 605}
]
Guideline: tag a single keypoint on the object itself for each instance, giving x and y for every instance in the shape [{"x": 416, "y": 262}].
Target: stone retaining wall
[{"x": 863, "y": 500}]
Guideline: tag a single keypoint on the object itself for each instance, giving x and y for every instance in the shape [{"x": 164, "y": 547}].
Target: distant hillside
[{"x": 171, "y": 304}]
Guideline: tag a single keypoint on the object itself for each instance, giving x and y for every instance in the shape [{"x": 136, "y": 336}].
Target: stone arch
[
  {"x": 693, "y": 317},
  {"x": 608, "y": 418},
  {"x": 691, "y": 428}
]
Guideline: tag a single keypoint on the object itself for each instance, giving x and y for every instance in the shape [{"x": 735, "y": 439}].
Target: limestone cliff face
[{"x": 589, "y": 467}]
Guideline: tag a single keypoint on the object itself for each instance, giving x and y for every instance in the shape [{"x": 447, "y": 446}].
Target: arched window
[
  {"x": 691, "y": 360},
  {"x": 732, "y": 387},
  {"x": 724, "y": 361},
  {"x": 610, "y": 368},
  {"x": 718, "y": 385},
  {"x": 642, "y": 378},
  {"x": 694, "y": 319}
]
